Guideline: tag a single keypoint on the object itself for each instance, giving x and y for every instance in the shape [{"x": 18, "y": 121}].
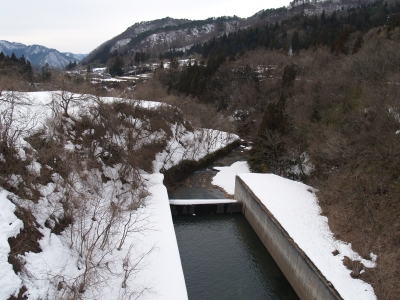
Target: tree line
[{"x": 21, "y": 65}]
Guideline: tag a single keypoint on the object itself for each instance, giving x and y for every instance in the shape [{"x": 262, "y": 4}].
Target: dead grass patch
[
  {"x": 20, "y": 295},
  {"x": 26, "y": 241}
]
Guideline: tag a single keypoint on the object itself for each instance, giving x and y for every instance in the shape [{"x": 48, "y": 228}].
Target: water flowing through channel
[{"x": 222, "y": 257}]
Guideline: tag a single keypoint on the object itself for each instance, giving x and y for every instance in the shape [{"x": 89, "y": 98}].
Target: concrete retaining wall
[{"x": 304, "y": 277}]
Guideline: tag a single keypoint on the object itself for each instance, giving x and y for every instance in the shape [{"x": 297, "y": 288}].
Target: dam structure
[{"x": 304, "y": 277}]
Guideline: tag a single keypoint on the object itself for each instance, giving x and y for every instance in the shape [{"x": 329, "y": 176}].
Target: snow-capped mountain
[
  {"x": 40, "y": 55},
  {"x": 163, "y": 34},
  {"x": 73, "y": 56}
]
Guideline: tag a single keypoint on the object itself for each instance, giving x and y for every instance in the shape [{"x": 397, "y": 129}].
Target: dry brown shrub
[
  {"x": 20, "y": 295},
  {"x": 152, "y": 89},
  {"x": 26, "y": 241},
  {"x": 50, "y": 153}
]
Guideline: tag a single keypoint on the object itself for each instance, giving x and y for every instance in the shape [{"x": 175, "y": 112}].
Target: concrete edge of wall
[{"x": 305, "y": 278}]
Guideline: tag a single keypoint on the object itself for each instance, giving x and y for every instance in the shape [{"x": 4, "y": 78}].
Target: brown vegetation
[{"x": 25, "y": 241}]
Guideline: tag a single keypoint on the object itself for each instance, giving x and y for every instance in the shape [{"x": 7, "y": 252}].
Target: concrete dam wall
[
  {"x": 205, "y": 209},
  {"x": 307, "y": 281}
]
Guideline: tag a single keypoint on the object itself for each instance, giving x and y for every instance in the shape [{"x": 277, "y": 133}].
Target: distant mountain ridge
[
  {"x": 163, "y": 34},
  {"x": 40, "y": 55}
]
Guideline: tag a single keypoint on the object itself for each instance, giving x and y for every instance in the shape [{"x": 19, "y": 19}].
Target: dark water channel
[{"x": 222, "y": 257}]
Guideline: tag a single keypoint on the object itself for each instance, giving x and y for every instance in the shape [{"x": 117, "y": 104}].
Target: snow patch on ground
[
  {"x": 10, "y": 226},
  {"x": 225, "y": 178}
]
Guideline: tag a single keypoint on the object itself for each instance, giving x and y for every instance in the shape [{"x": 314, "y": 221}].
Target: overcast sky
[{"x": 80, "y": 26}]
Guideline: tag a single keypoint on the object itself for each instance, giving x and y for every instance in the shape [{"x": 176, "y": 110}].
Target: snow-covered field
[
  {"x": 136, "y": 250},
  {"x": 296, "y": 208}
]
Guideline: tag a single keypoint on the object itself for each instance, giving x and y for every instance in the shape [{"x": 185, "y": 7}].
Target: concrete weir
[
  {"x": 307, "y": 281},
  {"x": 193, "y": 207}
]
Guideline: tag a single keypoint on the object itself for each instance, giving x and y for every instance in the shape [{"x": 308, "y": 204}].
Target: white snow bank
[
  {"x": 165, "y": 268},
  {"x": 296, "y": 208},
  {"x": 225, "y": 178},
  {"x": 10, "y": 226},
  {"x": 200, "y": 201}
]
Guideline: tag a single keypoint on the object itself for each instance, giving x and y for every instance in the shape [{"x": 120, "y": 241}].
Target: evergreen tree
[
  {"x": 269, "y": 153},
  {"x": 296, "y": 42},
  {"x": 116, "y": 69},
  {"x": 357, "y": 44},
  {"x": 339, "y": 45},
  {"x": 46, "y": 74},
  {"x": 28, "y": 70},
  {"x": 323, "y": 18},
  {"x": 14, "y": 58},
  {"x": 22, "y": 60},
  {"x": 289, "y": 76},
  {"x": 173, "y": 63}
]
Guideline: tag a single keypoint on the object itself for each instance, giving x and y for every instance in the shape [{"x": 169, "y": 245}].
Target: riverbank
[{"x": 182, "y": 170}]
